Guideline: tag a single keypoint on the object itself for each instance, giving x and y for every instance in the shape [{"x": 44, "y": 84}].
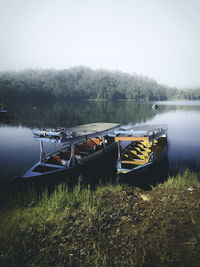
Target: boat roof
[
  {"x": 93, "y": 127},
  {"x": 75, "y": 133},
  {"x": 141, "y": 132}
]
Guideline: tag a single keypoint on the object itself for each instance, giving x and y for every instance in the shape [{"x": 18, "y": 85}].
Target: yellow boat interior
[
  {"x": 141, "y": 152},
  {"x": 140, "y": 146}
]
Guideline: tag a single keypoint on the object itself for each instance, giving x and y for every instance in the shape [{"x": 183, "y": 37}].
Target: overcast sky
[{"x": 156, "y": 38}]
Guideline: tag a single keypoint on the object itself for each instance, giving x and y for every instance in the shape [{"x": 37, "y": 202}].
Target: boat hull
[
  {"x": 145, "y": 167},
  {"x": 141, "y": 155},
  {"x": 44, "y": 172},
  {"x": 147, "y": 177}
]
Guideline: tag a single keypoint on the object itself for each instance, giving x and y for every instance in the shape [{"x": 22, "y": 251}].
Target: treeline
[
  {"x": 189, "y": 94},
  {"x": 85, "y": 83}
]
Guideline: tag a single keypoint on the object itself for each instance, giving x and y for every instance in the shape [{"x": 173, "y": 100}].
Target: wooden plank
[
  {"x": 141, "y": 146},
  {"x": 118, "y": 147},
  {"x": 137, "y": 161},
  {"x": 145, "y": 153},
  {"x": 131, "y": 138},
  {"x": 148, "y": 150},
  {"x": 140, "y": 156},
  {"x": 133, "y": 152}
]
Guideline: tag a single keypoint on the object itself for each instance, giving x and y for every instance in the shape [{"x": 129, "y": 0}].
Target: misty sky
[{"x": 156, "y": 38}]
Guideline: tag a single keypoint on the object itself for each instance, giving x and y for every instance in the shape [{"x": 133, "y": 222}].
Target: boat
[
  {"x": 140, "y": 147},
  {"x": 3, "y": 111},
  {"x": 80, "y": 146},
  {"x": 3, "y": 108}
]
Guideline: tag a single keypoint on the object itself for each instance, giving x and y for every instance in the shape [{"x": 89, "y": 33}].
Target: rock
[
  {"x": 145, "y": 197},
  {"x": 155, "y": 107},
  {"x": 190, "y": 189}
]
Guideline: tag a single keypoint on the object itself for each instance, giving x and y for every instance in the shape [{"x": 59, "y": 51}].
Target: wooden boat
[
  {"x": 145, "y": 146},
  {"x": 3, "y": 108},
  {"x": 80, "y": 146}
]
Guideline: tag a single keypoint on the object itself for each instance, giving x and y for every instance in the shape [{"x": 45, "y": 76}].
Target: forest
[{"x": 85, "y": 83}]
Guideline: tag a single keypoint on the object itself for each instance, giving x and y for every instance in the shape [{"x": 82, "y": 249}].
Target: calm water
[{"x": 19, "y": 151}]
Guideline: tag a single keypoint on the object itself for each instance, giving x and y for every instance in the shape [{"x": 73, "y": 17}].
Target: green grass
[
  {"x": 25, "y": 209},
  {"x": 186, "y": 179},
  {"x": 31, "y": 227},
  {"x": 109, "y": 226}
]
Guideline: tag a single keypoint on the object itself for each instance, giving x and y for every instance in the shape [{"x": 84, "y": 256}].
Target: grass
[
  {"x": 186, "y": 179},
  {"x": 41, "y": 219},
  {"x": 29, "y": 207},
  {"x": 113, "y": 225}
]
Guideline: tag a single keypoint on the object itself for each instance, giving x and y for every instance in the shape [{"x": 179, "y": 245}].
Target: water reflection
[
  {"x": 67, "y": 114},
  {"x": 19, "y": 151}
]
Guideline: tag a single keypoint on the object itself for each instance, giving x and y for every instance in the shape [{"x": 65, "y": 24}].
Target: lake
[{"x": 19, "y": 151}]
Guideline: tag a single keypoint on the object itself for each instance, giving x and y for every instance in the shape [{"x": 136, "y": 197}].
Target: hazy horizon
[{"x": 159, "y": 39}]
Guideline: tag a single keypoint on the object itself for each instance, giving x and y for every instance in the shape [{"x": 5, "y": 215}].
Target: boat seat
[
  {"x": 140, "y": 156},
  {"x": 147, "y": 150},
  {"x": 130, "y": 156},
  {"x": 134, "y": 152},
  {"x": 90, "y": 144},
  {"x": 81, "y": 148},
  {"x": 65, "y": 155},
  {"x": 55, "y": 160},
  {"x": 136, "y": 161},
  {"x": 97, "y": 141},
  {"x": 154, "y": 142},
  {"x": 83, "y": 154}
]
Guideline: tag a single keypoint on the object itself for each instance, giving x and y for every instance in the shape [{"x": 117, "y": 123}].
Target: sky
[{"x": 155, "y": 38}]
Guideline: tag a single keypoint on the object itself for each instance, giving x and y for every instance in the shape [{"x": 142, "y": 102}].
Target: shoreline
[{"x": 115, "y": 225}]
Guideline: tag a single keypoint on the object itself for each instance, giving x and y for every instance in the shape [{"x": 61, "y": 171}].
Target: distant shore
[{"x": 85, "y": 83}]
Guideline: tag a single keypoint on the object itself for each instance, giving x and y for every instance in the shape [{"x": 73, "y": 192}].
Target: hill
[{"x": 81, "y": 82}]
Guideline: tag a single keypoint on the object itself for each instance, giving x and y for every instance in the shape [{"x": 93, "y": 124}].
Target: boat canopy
[
  {"x": 75, "y": 133},
  {"x": 140, "y": 133}
]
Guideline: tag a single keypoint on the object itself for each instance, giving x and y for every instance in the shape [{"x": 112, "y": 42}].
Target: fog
[{"x": 156, "y": 38}]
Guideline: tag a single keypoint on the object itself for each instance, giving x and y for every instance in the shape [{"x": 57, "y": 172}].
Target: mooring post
[
  {"x": 42, "y": 154},
  {"x": 72, "y": 158},
  {"x": 104, "y": 144},
  {"x": 119, "y": 155}
]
